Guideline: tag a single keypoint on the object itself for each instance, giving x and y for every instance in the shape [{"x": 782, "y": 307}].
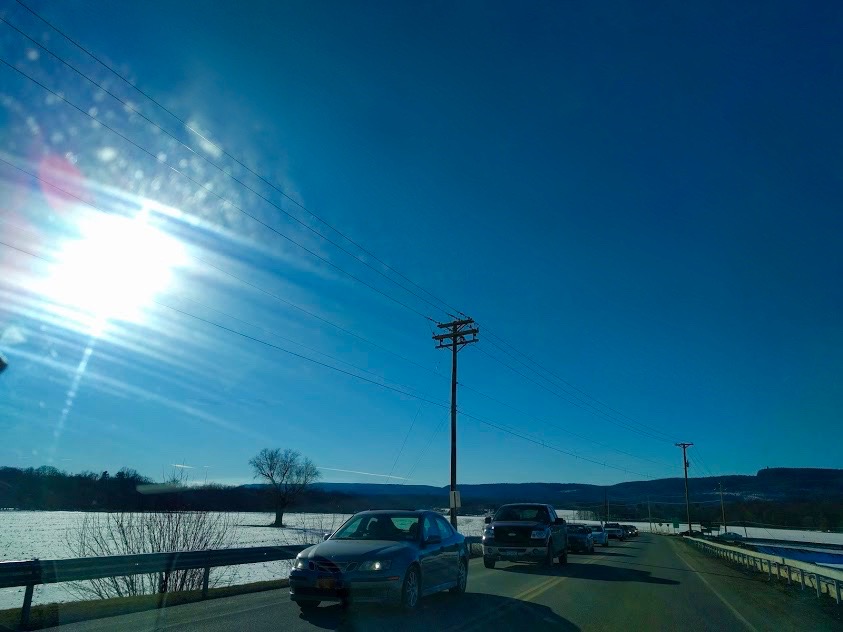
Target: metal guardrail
[
  {"x": 31, "y": 573},
  {"x": 824, "y": 580}
]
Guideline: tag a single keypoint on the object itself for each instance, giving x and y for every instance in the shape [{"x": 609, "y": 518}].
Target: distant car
[
  {"x": 599, "y": 535},
  {"x": 729, "y": 536},
  {"x": 693, "y": 534},
  {"x": 525, "y": 532},
  {"x": 382, "y": 556},
  {"x": 615, "y": 531},
  {"x": 580, "y": 538},
  {"x": 631, "y": 531}
]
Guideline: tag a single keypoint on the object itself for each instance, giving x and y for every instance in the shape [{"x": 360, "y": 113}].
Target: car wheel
[
  {"x": 462, "y": 578},
  {"x": 548, "y": 558},
  {"x": 591, "y": 551},
  {"x": 488, "y": 562},
  {"x": 606, "y": 543},
  {"x": 308, "y": 605},
  {"x": 411, "y": 589},
  {"x": 563, "y": 556}
]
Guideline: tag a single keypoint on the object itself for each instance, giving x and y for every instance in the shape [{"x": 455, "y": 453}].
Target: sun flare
[{"x": 116, "y": 267}]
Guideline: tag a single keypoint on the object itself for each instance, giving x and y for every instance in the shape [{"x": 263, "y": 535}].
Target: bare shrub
[{"x": 126, "y": 533}]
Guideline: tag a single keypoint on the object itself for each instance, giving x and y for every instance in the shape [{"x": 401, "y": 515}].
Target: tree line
[{"x": 48, "y": 488}]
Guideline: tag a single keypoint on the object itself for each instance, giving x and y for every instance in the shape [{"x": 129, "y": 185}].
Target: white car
[{"x": 599, "y": 535}]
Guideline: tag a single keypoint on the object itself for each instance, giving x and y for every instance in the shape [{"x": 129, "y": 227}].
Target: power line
[
  {"x": 565, "y": 430},
  {"x": 224, "y": 152},
  {"x": 215, "y": 165},
  {"x": 591, "y": 410},
  {"x": 322, "y": 319},
  {"x": 549, "y": 446},
  {"x": 239, "y": 279},
  {"x": 217, "y": 195},
  {"x": 570, "y": 385},
  {"x": 702, "y": 463},
  {"x": 389, "y": 387},
  {"x": 275, "y": 188},
  {"x": 404, "y": 442}
]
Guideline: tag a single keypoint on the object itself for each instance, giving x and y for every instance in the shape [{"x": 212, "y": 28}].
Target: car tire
[
  {"x": 591, "y": 550},
  {"x": 606, "y": 543},
  {"x": 488, "y": 562},
  {"x": 563, "y": 557},
  {"x": 547, "y": 562},
  {"x": 411, "y": 589},
  {"x": 462, "y": 578},
  {"x": 305, "y": 606}
]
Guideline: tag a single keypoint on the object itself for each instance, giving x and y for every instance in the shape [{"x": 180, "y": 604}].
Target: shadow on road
[
  {"x": 441, "y": 612},
  {"x": 588, "y": 570},
  {"x": 611, "y": 554},
  {"x": 696, "y": 572}
]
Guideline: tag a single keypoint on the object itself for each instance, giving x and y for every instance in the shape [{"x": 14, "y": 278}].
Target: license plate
[
  {"x": 509, "y": 554},
  {"x": 325, "y": 583}
]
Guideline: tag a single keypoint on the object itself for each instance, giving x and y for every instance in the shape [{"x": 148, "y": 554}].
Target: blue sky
[{"x": 643, "y": 198}]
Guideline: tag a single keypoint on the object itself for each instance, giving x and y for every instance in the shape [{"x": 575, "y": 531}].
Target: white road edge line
[{"x": 731, "y": 608}]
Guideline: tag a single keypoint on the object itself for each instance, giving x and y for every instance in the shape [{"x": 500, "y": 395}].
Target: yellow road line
[
  {"x": 527, "y": 594},
  {"x": 731, "y": 608}
]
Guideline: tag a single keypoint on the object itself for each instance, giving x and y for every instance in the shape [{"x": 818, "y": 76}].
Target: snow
[{"x": 44, "y": 534}]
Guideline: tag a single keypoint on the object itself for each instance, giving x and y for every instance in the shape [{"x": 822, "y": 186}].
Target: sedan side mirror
[
  {"x": 325, "y": 536},
  {"x": 488, "y": 520}
]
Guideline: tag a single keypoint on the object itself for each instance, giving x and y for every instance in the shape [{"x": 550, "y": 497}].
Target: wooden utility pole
[
  {"x": 650, "y": 514},
  {"x": 455, "y": 339},
  {"x": 723, "y": 508},
  {"x": 685, "y": 447}
]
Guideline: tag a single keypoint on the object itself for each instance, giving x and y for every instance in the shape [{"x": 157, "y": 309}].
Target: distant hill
[{"x": 785, "y": 484}]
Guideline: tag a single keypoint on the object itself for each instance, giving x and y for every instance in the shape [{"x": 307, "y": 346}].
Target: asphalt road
[{"x": 649, "y": 583}]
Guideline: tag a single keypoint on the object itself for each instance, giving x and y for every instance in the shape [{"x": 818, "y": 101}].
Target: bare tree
[
  {"x": 127, "y": 533},
  {"x": 288, "y": 474}
]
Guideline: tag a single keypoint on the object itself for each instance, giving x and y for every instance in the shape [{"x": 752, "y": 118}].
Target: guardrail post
[
  {"x": 837, "y": 591},
  {"x": 802, "y": 578},
  {"x": 817, "y": 580},
  {"x": 769, "y": 570},
  {"x": 787, "y": 569},
  {"x": 205, "y": 578},
  {"x": 27, "y": 606}
]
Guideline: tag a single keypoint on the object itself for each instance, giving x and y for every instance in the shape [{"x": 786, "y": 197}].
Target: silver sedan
[{"x": 382, "y": 556}]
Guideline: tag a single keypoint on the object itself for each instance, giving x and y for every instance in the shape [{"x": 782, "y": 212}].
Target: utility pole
[
  {"x": 723, "y": 508},
  {"x": 455, "y": 339},
  {"x": 650, "y": 514},
  {"x": 606, "y": 500},
  {"x": 685, "y": 447}
]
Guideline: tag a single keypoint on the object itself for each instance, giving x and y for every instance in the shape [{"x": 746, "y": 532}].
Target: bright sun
[{"x": 115, "y": 268}]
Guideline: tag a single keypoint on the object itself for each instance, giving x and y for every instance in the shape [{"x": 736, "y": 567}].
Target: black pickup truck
[{"x": 525, "y": 532}]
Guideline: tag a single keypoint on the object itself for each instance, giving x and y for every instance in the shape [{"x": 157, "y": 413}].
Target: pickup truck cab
[{"x": 525, "y": 532}]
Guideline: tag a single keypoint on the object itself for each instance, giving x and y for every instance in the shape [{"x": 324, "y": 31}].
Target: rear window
[{"x": 523, "y": 513}]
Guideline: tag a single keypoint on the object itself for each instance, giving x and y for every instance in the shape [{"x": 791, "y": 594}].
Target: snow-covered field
[{"x": 44, "y": 534}]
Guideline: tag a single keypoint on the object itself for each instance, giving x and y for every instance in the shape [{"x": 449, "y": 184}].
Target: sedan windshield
[{"x": 396, "y": 527}]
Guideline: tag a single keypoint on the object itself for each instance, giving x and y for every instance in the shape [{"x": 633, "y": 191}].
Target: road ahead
[{"x": 649, "y": 583}]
